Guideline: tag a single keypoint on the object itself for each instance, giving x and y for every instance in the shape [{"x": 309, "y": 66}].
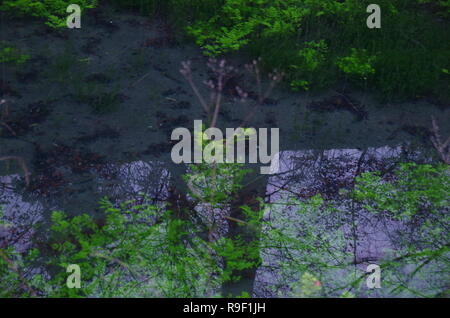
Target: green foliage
[
  {"x": 238, "y": 255},
  {"x": 312, "y": 59},
  {"x": 52, "y": 11},
  {"x": 9, "y": 54},
  {"x": 417, "y": 195},
  {"x": 241, "y": 21},
  {"x": 357, "y": 64},
  {"x": 313, "y": 54},
  {"x": 309, "y": 241},
  {"x": 315, "y": 42},
  {"x": 298, "y": 85},
  {"x": 141, "y": 250},
  {"x": 129, "y": 255},
  {"x": 308, "y": 286},
  {"x": 213, "y": 182},
  {"x": 416, "y": 187},
  {"x": 125, "y": 254},
  {"x": 309, "y": 237},
  {"x": 411, "y": 48}
]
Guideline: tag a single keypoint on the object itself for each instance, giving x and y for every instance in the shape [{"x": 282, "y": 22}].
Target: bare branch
[
  {"x": 443, "y": 148},
  {"x": 186, "y": 71},
  {"x": 222, "y": 73}
]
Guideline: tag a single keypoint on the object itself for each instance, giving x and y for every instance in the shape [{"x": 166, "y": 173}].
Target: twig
[
  {"x": 443, "y": 148},
  {"x": 275, "y": 78},
  {"x": 186, "y": 71},
  {"x": 222, "y": 72}
]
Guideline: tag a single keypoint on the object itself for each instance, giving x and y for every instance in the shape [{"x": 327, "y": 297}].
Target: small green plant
[
  {"x": 11, "y": 55},
  {"x": 313, "y": 54},
  {"x": 358, "y": 64},
  {"x": 307, "y": 286},
  {"x": 311, "y": 59},
  {"x": 299, "y": 85}
]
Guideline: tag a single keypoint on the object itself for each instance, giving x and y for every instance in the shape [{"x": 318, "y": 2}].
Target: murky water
[
  {"x": 76, "y": 156},
  {"x": 362, "y": 237}
]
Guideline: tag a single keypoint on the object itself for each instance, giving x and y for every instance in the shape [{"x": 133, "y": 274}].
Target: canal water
[{"x": 92, "y": 113}]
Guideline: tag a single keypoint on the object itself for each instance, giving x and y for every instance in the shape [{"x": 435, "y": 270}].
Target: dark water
[{"x": 76, "y": 155}]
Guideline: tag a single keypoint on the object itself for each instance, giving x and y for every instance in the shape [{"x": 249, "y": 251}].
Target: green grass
[{"x": 409, "y": 53}]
